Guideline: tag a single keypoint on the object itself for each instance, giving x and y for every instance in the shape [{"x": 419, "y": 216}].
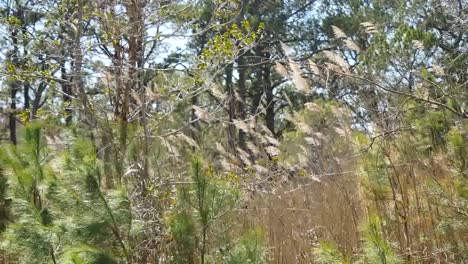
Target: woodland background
[{"x": 236, "y": 131}]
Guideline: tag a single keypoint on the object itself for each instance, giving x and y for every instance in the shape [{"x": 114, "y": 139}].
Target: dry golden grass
[{"x": 301, "y": 213}]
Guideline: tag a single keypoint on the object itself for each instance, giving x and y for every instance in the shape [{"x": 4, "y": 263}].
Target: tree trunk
[
  {"x": 270, "y": 102},
  {"x": 12, "y": 121},
  {"x": 257, "y": 91},
  {"x": 241, "y": 115},
  {"x": 77, "y": 79},
  {"x": 231, "y": 108},
  {"x": 14, "y": 87},
  {"x": 66, "y": 89},
  {"x": 135, "y": 10}
]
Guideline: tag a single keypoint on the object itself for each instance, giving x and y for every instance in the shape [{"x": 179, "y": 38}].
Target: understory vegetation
[{"x": 236, "y": 131}]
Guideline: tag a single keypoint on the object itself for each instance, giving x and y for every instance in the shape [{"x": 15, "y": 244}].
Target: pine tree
[
  {"x": 200, "y": 222},
  {"x": 59, "y": 212}
]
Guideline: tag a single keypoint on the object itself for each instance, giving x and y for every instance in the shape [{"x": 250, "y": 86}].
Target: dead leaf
[{"x": 201, "y": 113}]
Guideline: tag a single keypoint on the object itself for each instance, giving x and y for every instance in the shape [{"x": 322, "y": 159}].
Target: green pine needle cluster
[
  {"x": 58, "y": 210},
  {"x": 200, "y": 225}
]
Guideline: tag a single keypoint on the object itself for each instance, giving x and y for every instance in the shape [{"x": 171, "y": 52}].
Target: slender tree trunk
[
  {"x": 241, "y": 115},
  {"x": 270, "y": 100},
  {"x": 195, "y": 125},
  {"x": 119, "y": 112},
  {"x": 26, "y": 84},
  {"x": 242, "y": 71},
  {"x": 257, "y": 91},
  {"x": 36, "y": 103},
  {"x": 14, "y": 88},
  {"x": 77, "y": 79},
  {"x": 27, "y": 99},
  {"x": 66, "y": 90},
  {"x": 135, "y": 10},
  {"x": 231, "y": 107},
  {"x": 12, "y": 120}
]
